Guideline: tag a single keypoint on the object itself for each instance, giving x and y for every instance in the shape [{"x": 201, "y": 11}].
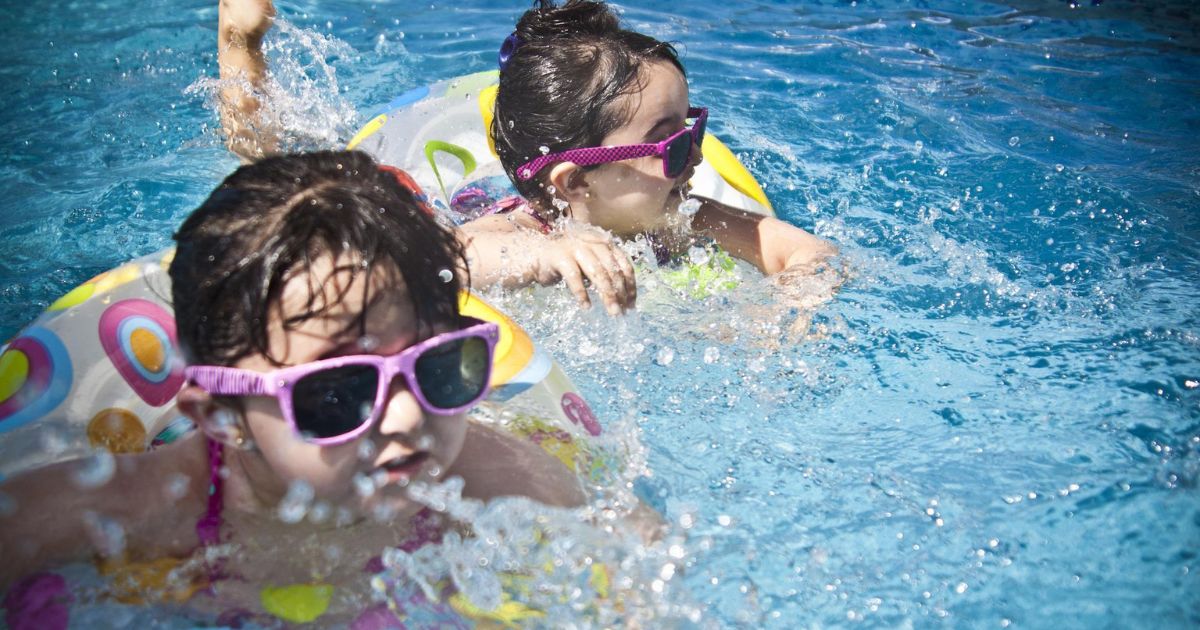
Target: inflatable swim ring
[
  {"x": 100, "y": 369},
  {"x": 439, "y": 134}
]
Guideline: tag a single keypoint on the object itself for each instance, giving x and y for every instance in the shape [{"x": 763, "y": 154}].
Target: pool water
[{"x": 993, "y": 422}]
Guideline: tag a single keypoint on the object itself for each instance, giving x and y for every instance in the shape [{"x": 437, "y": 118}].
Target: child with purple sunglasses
[
  {"x": 317, "y": 305},
  {"x": 594, "y": 122}
]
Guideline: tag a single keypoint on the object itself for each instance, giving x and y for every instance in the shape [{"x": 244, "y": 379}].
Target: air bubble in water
[
  {"x": 52, "y": 442},
  {"x": 364, "y": 486},
  {"x": 445, "y": 276},
  {"x": 689, "y": 207},
  {"x": 699, "y": 255},
  {"x": 96, "y": 470},
  {"x": 368, "y": 343},
  {"x": 711, "y": 355},
  {"x": 1059, "y": 168},
  {"x": 665, "y": 356},
  {"x": 365, "y": 450},
  {"x": 1014, "y": 141},
  {"x": 918, "y": 145},
  {"x": 587, "y": 348},
  {"x": 480, "y": 586},
  {"x": 294, "y": 505},
  {"x": 106, "y": 534},
  {"x": 320, "y": 513},
  {"x": 175, "y": 487}
]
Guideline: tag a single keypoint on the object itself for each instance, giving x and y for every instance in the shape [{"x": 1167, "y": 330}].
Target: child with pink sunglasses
[
  {"x": 593, "y": 122},
  {"x": 317, "y": 306},
  {"x": 513, "y": 259}
]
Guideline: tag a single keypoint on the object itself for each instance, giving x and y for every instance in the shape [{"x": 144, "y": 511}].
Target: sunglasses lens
[
  {"x": 698, "y": 130},
  {"x": 679, "y": 151},
  {"x": 336, "y": 401},
  {"x": 454, "y": 373}
]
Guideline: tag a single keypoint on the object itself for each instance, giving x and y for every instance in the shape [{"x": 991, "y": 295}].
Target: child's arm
[
  {"x": 496, "y": 464},
  {"x": 52, "y": 515},
  {"x": 241, "y": 25},
  {"x": 766, "y": 242},
  {"x": 501, "y": 249}
]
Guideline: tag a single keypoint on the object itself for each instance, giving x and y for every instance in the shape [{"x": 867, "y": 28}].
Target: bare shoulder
[
  {"x": 495, "y": 464},
  {"x": 502, "y": 222},
  {"x": 66, "y": 511}
]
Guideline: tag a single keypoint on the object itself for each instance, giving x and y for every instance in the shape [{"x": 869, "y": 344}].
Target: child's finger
[
  {"x": 602, "y": 281},
  {"x": 624, "y": 268},
  {"x": 570, "y": 273},
  {"x": 624, "y": 289}
]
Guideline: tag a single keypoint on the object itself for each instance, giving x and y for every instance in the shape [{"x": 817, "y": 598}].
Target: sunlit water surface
[{"x": 994, "y": 422}]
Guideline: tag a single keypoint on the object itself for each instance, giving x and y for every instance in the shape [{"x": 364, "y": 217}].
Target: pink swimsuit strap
[
  {"x": 509, "y": 204},
  {"x": 208, "y": 528}
]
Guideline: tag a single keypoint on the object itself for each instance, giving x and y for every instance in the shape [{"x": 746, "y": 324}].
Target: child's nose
[{"x": 402, "y": 414}]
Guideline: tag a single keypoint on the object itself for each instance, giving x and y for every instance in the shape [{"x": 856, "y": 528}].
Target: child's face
[
  {"x": 633, "y": 196},
  {"x": 404, "y": 445}
]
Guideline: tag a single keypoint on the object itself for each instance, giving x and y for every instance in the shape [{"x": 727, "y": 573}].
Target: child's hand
[
  {"x": 580, "y": 255},
  {"x": 248, "y": 18}
]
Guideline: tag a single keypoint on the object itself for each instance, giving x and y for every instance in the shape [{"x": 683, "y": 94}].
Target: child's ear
[
  {"x": 569, "y": 182},
  {"x": 215, "y": 419}
]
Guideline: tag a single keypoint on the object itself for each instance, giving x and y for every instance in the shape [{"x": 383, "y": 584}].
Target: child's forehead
[
  {"x": 341, "y": 290},
  {"x": 663, "y": 92}
]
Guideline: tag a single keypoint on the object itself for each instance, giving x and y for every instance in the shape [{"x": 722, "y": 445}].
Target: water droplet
[
  {"x": 445, "y": 275},
  {"x": 320, "y": 513},
  {"x": 699, "y": 255},
  {"x": 711, "y": 355},
  {"x": 368, "y": 343},
  {"x": 106, "y": 534},
  {"x": 544, "y": 149},
  {"x": 665, "y": 356},
  {"x": 918, "y": 145},
  {"x": 176, "y": 487},
  {"x": 95, "y": 471},
  {"x": 1059, "y": 167},
  {"x": 1014, "y": 141},
  {"x": 689, "y": 207},
  {"x": 52, "y": 442},
  {"x": 294, "y": 505}
]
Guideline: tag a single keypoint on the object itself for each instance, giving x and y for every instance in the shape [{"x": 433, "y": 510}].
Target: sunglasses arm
[{"x": 224, "y": 381}]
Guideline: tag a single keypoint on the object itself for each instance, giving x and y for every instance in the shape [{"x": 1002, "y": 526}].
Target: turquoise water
[{"x": 995, "y": 422}]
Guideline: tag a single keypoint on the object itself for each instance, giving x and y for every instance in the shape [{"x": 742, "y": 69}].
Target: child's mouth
[{"x": 403, "y": 469}]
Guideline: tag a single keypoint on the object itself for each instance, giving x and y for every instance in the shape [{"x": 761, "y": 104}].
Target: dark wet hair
[
  {"x": 558, "y": 88},
  {"x": 275, "y": 218}
]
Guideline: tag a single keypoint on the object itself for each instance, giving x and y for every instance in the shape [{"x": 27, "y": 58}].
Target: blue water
[{"x": 995, "y": 422}]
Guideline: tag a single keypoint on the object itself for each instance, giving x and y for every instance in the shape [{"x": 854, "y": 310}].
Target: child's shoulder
[{"x": 495, "y": 463}]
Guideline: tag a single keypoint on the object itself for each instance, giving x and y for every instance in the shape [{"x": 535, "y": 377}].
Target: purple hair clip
[{"x": 508, "y": 49}]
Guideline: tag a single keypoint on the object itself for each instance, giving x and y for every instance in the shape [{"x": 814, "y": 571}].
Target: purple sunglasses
[
  {"x": 675, "y": 151},
  {"x": 334, "y": 401}
]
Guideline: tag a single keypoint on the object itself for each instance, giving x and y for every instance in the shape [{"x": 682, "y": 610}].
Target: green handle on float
[{"x": 463, "y": 155}]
